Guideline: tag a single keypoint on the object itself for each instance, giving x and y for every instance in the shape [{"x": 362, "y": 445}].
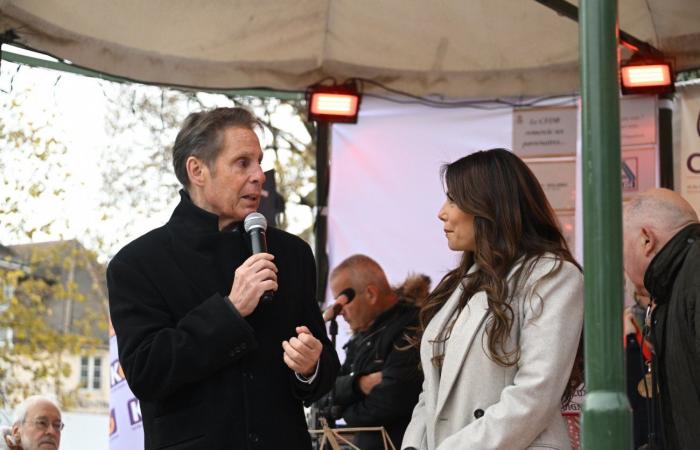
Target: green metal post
[{"x": 606, "y": 422}]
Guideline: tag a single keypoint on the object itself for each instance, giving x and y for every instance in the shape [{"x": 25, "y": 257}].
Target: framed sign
[
  {"x": 558, "y": 179},
  {"x": 638, "y": 121},
  {"x": 544, "y": 131},
  {"x": 638, "y": 170}
]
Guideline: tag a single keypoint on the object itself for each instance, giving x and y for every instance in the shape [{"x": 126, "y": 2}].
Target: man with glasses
[{"x": 37, "y": 424}]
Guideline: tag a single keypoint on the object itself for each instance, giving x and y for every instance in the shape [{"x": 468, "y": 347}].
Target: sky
[{"x": 78, "y": 122}]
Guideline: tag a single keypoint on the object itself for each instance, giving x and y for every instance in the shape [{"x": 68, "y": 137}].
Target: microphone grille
[
  {"x": 349, "y": 293},
  {"x": 254, "y": 220}
]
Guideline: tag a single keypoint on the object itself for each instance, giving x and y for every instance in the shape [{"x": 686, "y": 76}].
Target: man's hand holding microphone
[{"x": 255, "y": 281}]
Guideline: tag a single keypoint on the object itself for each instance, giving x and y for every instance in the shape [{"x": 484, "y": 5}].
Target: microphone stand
[
  {"x": 330, "y": 416},
  {"x": 324, "y": 406},
  {"x": 330, "y": 411}
]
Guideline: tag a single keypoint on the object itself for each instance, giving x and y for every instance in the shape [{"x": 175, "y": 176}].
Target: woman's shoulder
[
  {"x": 546, "y": 273},
  {"x": 547, "y": 265},
  {"x": 551, "y": 261}
]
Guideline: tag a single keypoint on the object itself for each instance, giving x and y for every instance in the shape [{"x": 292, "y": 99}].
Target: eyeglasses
[{"x": 43, "y": 424}]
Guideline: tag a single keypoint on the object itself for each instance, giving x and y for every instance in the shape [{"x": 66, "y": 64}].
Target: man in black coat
[
  {"x": 378, "y": 384},
  {"x": 212, "y": 366},
  {"x": 662, "y": 259}
]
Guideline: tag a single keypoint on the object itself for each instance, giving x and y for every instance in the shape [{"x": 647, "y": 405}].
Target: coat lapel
[
  {"x": 465, "y": 330},
  {"x": 196, "y": 266},
  {"x": 201, "y": 251},
  {"x": 431, "y": 373}
]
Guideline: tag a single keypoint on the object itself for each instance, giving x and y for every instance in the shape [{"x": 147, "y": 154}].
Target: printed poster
[
  {"x": 558, "y": 179},
  {"x": 638, "y": 170},
  {"x": 125, "y": 424},
  {"x": 549, "y": 131},
  {"x": 638, "y": 119},
  {"x": 689, "y": 111}
]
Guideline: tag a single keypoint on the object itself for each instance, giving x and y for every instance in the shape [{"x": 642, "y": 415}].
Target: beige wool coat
[{"x": 476, "y": 404}]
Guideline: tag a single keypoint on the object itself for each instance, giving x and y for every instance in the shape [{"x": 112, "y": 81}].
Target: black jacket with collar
[
  {"x": 673, "y": 280},
  {"x": 390, "y": 403},
  {"x": 206, "y": 377}
]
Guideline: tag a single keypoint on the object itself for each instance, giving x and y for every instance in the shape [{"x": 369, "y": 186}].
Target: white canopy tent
[
  {"x": 449, "y": 48},
  {"x": 453, "y": 48}
]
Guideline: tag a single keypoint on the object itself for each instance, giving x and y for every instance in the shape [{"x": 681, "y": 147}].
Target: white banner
[
  {"x": 385, "y": 186},
  {"x": 385, "y": 189},
  {"x": 125, "y": 426}
]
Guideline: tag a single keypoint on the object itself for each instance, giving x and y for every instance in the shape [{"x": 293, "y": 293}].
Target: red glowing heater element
[
  {"x": 642, "y": 76},
  {"x": 650, "y": 78},
  {"x": 333, "y": 106}
]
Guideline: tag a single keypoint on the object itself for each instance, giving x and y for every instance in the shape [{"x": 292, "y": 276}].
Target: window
[
  {"x": 96, "y": 373},
  {"x": 84, "y": 371},
  {"x": 91, "y": 372}
]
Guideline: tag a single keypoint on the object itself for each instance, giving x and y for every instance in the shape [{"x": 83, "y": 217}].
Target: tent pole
[
  {"x": 666, "y": 141},
  {"x": 321, "y": 228},
  {"x": 606, "y": 421}
]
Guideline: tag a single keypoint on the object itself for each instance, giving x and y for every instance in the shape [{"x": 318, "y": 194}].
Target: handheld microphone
[
  {"x": 332, "y": 312},
  {"x": 255, "y": 225}
]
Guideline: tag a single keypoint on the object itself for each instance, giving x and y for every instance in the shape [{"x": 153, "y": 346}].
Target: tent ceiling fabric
[{"x": 453, "y": 48}]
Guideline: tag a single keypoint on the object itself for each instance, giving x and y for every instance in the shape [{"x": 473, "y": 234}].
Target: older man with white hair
[
  {"x": 662, "y": 259},
  {"x": 37, "y": 424}
]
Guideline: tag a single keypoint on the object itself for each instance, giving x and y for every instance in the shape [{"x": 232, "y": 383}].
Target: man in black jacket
[
  {"x": 378, "y": 383},
  {"x": 662, "y": 259},
  {"x": 212, "y": 366}
]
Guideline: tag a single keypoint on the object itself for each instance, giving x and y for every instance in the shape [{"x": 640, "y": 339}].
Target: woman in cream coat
[{"x": 500, "y": 345}]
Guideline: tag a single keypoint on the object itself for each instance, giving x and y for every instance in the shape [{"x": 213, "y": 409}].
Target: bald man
[
  {"x": 378, "y": 384},
  {"x": 662, "y": 260},
  {"x": 36, "y": 424}
]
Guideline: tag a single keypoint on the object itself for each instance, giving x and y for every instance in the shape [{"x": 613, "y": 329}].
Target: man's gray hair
[
  {"x": 20, "y": 414},
  {"x": 201, "y": 136},
  {"x": 658, "y": 211}
]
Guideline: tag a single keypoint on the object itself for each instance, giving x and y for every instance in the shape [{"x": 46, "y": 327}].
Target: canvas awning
[{"x": 454, "y": 48}]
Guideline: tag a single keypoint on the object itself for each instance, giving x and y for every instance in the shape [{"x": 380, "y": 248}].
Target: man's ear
[
  {"x": 649, "y": 241},
  {"x": 14, "y": 438},
  {"x": 372, "y": 294},
  {"x": 196, "y": 170}
]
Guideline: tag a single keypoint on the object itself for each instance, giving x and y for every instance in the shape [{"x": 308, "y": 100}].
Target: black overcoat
[
  {"x": 206, "y": 377},
  {"x": 673, "y": 280}
]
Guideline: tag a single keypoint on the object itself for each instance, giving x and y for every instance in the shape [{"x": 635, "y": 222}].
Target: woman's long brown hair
[{"x": 513, "y": 221}]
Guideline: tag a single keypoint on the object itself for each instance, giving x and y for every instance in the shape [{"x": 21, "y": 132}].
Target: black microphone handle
[{"x": 258, "y": 242}]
